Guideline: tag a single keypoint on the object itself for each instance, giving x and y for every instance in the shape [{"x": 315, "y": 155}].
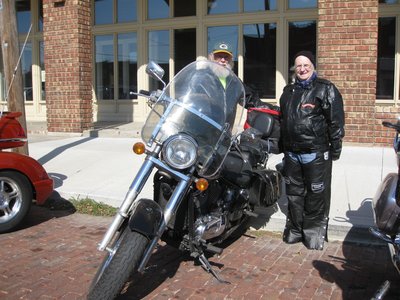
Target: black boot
[
  {"x": 315, "y": 233},
  {"x": 291, "y": 235}
]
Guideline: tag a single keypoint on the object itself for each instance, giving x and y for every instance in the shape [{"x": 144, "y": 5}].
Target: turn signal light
[
  {"x": 139, "y": 148},
  {"x": 202, "y": 184}
]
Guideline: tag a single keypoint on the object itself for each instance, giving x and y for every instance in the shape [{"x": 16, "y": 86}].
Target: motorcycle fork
[
  {"x": 134, "y": 190},
  {"x": 169, "y": 211},
  {"x": 136, "y": 187}
]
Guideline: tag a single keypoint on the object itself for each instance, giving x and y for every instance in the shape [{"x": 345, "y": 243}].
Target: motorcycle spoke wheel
[{"x": 118, "y": 265}]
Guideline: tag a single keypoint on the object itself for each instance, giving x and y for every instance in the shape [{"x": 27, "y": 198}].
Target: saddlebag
[
  {"x": 236, "y": 169},
  {"x": 265, "y": 189},
  {"x": 266, "y": 120}
]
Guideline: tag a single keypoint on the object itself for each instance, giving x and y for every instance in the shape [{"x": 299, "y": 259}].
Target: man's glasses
[
  {"x": 305, "y": 66},
  {"x": 219, "y": 56}
]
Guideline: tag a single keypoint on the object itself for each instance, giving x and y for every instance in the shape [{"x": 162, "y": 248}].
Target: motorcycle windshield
[{"x": 201, "y": 101}]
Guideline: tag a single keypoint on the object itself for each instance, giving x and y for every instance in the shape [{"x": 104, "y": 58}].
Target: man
[
  {"x": 222, "y": 54},
  {"x": 312, "y": 129}
]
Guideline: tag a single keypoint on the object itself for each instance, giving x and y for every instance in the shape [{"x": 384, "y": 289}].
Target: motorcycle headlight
[{"x": 180, "y": 151}]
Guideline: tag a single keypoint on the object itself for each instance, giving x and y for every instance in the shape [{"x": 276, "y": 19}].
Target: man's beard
[{"x": 221, "y": 70}]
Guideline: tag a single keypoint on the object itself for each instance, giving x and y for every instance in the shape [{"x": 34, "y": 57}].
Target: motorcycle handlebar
[
  {"x": 144, "y": 92},
  {"x": 152, "y": 96},
  {"x": 391, "y": 125}
]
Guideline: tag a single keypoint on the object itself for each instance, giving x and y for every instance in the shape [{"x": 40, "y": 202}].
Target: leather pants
[{"x": 308, "y": 189}]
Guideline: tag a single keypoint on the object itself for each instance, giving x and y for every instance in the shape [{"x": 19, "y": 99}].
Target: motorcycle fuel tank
[{"x": 386, "y": 209}]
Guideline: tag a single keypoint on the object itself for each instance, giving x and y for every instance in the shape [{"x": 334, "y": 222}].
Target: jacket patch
[
  {"x": 326, "y": 155},
  {"x": 317, "y": 187},
  {"x": 307, "y": 105}
]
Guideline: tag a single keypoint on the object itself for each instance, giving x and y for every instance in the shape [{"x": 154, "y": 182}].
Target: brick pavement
[{"x": 55, "y": 257}]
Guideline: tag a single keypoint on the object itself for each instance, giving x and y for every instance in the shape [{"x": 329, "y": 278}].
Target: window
[
  {"x": 104, "y": 68},
  {"x": 114, "y": 11},
  {"x": 127, "y": 66},
  {"x": 125, "y": 75},
  {"x": 32, "y": 54},
  {"x": 23, "y": 9},
  {"x": 42, "y": 71},
  {"x": 161, "y": 9},
  {"x": 172, "y": 33},
  {"x": 222, "y": 6},
  {"x": 184, "y": 8},
  {"x": 126, "y": 11},
  {"x": 40, "y": 18},
  {"x": 389, "y": 1},
  {"x": 26, "y": 66},
  {"x": 386, "y": 58},
  {"x": 158, "y": 9},
  {"x": 159, "y": 52},
  {"x": 185, "y": 47},
  {"x": 259, "y": 5},
  {"x": 295, "y": 4},
  {"x": 259, "y": 44},
  {"x": 103, "y": 12}
]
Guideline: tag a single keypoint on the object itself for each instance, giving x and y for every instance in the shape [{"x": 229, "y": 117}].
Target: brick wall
[
  {"x": 347, "y": 55},
  {"x": 68, "y": 64}
]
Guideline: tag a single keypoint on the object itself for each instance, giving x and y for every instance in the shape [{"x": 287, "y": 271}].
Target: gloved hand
[
  {"x": 336, "y": 149},
  {"x": 335, "y": 154}
]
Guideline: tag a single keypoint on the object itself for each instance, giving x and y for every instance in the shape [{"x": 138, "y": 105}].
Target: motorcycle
[
  {"x": 207, "y": 182},
  {"x": 386, "y": 211}
]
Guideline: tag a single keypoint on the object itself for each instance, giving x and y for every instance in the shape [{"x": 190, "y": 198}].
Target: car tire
[{"x": 15, "y": 199}]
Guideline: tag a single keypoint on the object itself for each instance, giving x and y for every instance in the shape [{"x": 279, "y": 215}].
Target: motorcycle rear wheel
[{"x": 117, "y": 266}]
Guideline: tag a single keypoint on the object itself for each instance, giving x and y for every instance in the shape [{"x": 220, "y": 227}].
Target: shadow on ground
[
  {"x": 364, "y": 266},
  {"x": 164, "y": 264},
  {"x": 54, "y": 207}
]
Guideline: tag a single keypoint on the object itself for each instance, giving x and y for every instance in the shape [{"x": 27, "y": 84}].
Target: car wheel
[{"x": 15, "y": 199}]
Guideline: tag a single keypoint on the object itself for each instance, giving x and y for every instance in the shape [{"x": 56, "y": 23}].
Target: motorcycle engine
[{"x": 210, "y": 226}]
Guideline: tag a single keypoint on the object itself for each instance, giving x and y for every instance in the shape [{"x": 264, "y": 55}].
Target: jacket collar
[{"x": 305, "y": 84}]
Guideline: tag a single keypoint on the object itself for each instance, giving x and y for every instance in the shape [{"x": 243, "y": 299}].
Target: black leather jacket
[{"x": 312, "y": 118}]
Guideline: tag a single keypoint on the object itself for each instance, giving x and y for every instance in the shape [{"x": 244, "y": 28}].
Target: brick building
[{"x": 85, "y": 58}]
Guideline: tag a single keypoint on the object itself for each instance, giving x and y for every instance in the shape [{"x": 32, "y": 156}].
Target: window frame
[
  {"x": 34, "y": 37},
  {"x": 393, "y": 10}
]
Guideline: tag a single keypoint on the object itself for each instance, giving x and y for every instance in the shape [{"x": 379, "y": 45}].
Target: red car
[{"x": 22, "y": 178}]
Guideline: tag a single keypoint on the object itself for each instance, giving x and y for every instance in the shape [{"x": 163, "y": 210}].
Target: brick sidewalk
[{"x": 55, "y": 257}]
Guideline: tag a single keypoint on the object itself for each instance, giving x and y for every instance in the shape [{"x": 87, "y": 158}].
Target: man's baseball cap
[{"x": 222, "y": 47}]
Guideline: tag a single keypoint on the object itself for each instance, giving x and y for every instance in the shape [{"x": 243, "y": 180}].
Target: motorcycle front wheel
[{"x": 118, "y": 265}]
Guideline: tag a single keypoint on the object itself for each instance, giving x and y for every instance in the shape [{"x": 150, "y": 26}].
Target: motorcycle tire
[
  {"x": 117, "y": 266},
  {"x": 15, "y": 199}
]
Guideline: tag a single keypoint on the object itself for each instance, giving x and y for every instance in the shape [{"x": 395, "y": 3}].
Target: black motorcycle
[
  {"x": 207, "y": 181},
  {"x": 386, "y": 208}
]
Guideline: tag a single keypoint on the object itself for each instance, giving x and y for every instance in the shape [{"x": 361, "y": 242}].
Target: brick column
[
  {"x": 347, "y": 55},
  {"x": 68, "y": 64}
]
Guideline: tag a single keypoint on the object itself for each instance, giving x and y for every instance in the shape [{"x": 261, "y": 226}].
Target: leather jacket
[{"x": 312, "y": 117}]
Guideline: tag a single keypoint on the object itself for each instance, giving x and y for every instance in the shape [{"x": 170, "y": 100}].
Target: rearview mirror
[{"x": 155, "y": 71}]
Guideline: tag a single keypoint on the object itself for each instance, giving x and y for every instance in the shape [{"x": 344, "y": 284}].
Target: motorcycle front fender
[
  {"x": 146, "y": 217},
  {"x": 386, "y": 209}
]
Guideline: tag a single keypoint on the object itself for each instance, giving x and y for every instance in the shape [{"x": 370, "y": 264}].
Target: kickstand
[{"x": 206, "y": 265}]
